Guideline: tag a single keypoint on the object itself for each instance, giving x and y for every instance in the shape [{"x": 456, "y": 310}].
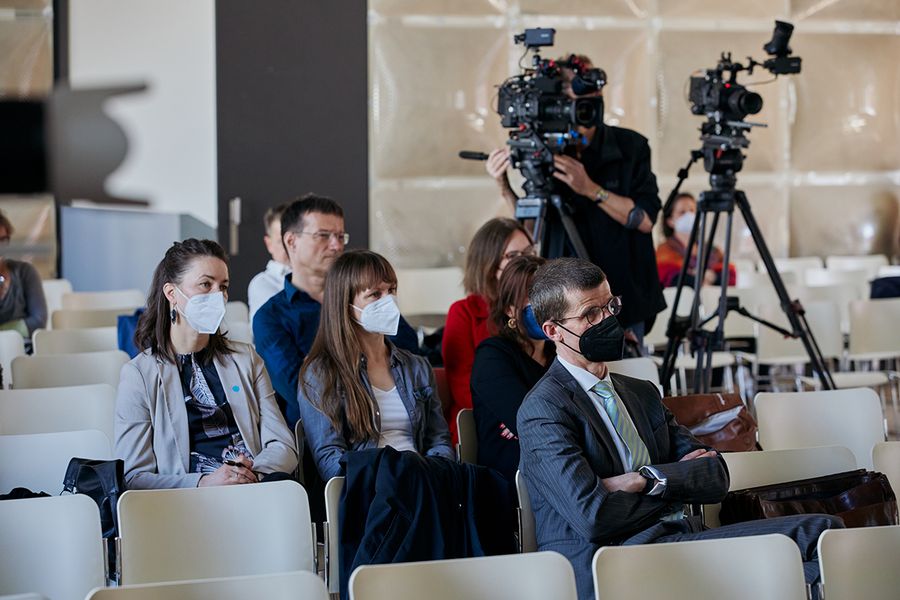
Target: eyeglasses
[
  {"x": 594, "y": 314},
  {"x": 527, "y": 251},
  {"x": 323, "y": 237}
]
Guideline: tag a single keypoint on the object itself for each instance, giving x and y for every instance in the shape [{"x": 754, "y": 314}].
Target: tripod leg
[{"x": 569, "y": 226}]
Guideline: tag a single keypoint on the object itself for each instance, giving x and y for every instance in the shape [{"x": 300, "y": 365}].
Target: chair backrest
[
  {"x": 824, "y": 319},
  {"x": 761, "y": 279},
  {"x": 795, "y": 264},
  {"x": 70, "y": 341},
  {"x": 537, "y": 576},
  {"x": 239, "y": 331},
  {"x": 182, "y": 534},
  {"x": 467, "y": 448},
  {"x": 753, "y": 469},
  {"x": 237, "y": 312},
  {"x": 873, "y": 328},
  {"x": 850, "y": 418},
  {"x": 742, "y": 568},
  {"x": 889, "y": 271},
  {"x": 870, "y": 263},
  {"x": 527, "y": 528},
  {"x": 639, "y": 368},
  {"x": 855, "y": 278},
  {"x": 293, "y": 585},
  {"x": 333, "y": 490},
  {"x": 300, "y": 444},
  {"x": 49, "y": 410},
  {"x": 38, "y": 461},
  {"x": 443, "y": 389},
  {"x": 886, "y": 459},
  {"x": 429, "y": 291},
  {"x": 860, "y": 562},
  {"x": 83, "y": 319},
  {"x": 130, "y": 299},
  {"x": 52, "y": 546},
  {"x": 54, "y": 290},
  {"x": 11, "y": 346},
  {"x": 57, "y": 370},
  {"x": 842, "y": 295},
  {"x": 736, "y": 326}
]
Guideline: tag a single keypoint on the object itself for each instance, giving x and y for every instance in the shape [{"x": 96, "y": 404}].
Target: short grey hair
[{"x": 554, "y": 279}]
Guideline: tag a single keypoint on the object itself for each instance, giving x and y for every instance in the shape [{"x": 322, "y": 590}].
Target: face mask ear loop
[{"x": 558, "y": 324}]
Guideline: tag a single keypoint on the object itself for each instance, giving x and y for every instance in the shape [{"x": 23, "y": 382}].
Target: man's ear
[
  {"x": 288, "y": 241},
  {"x": 552, "y": 331}
]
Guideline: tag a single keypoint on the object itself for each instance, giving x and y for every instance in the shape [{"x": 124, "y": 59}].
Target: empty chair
[
  {"x": 850, "y": 418},
  {"x": 293, "y": 585},
  {"x": 744, "y": 568},
  {"x": 237, "y": 312},
  {"x": 429, "y": 291},
  {"x": 842, "y": 295},
  {"x": 856, "y": 278},
  {"x": 11, "y": 345},
  {"x": 889, "y": 271},
  {"x": 196, "y": 533},
  {"x": 38, "y": 461},
  {"x": 49, "y": 410},
  {"x": 467, "y": 447},
  {"x": 656, "y": 337},
  {"x": 82, "y": 319},
  {"x": 533, "y": 576},
  {"x": 54, "y": 290},
  {"x": 639, "y": 368},
  {"x": 870, "y": 263},
  {"x": 761, "y": 278},
  {"x": 796, "y": 265},
  {"x": 51, "y": 546},
  {"x": 103, "y": 300},
  {"x": 754, "y": 469},
  {"x": 56, "y": 370},
  {"x": 527, "y": 528},
  {"x": 886, "y": 459},
  {"x": 238, "y": 331},
  {"x": 860, "y": 563},
  {"x": 333, "y": 490},
  {"x": 69, "y": 341},
  {"x": 873, "y": 329}
]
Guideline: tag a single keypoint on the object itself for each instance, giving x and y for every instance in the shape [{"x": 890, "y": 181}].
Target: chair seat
[
  {"x": 774, "y": 360},
  {"x": 854, "y": 379},
  {"x": 688, "y": 362}
]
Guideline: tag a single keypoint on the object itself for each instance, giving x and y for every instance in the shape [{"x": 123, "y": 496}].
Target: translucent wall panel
[
  {"x": 26, "y": 58},
  {"x": 438, "y": 7},
  {"x": 845, "y": 9},
  {"x": 761, "y": 9},
  {"x": 848, "y": 106},
  {"x": 34, "y": 239},
  {"x": 592, "y": 8}
]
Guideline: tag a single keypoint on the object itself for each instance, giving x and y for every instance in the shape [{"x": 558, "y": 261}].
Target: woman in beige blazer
[{"x": 195, "y": 409}]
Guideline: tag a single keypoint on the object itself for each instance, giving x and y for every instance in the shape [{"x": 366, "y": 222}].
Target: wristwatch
[{"x": 601, "y": 195}]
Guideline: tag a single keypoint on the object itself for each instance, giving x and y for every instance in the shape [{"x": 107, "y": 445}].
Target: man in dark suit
[{"x": 604, "y": 461}]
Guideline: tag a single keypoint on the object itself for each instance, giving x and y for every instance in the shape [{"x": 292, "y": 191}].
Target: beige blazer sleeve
[{"x": 278, "y": 451}]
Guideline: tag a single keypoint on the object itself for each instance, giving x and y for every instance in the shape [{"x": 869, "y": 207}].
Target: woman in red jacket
[{"x": 495, "y": 244}]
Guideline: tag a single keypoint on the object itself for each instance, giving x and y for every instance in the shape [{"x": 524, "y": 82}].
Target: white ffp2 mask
[
  {"x": 204, "y": 312},
  {"x": 381, "y": 316},
  {"x": 684, "y": 223}
]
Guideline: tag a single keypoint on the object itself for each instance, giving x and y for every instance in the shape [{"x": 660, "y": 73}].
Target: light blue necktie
[{"x": 637, "y": 450}]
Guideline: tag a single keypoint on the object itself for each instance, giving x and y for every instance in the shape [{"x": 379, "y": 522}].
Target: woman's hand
[{"x": 236, "y": 474}]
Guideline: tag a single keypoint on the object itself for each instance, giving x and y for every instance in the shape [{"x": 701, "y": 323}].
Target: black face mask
[{"x": 603, "y": 342}]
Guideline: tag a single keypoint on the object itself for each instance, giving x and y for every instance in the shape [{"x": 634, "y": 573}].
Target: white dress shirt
[{"x": 266, "y": 284}]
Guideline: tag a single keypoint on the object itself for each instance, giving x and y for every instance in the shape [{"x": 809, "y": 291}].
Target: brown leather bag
[
  {"x": 718, "y": 420},
  {"x": 861, "y": 498}
]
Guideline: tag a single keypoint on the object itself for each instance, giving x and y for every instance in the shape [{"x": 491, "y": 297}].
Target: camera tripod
[
  {"x": 552, "y": 240},
  {"x": 722, "y": 198}
]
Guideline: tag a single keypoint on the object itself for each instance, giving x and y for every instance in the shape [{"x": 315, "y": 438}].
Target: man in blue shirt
[{"x": 312, "y": 230}]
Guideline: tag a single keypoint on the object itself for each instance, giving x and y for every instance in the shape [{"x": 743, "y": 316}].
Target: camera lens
[{"x": 745, "y": 103}]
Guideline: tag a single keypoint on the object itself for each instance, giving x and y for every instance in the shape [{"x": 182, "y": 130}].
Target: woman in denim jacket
[{"x": 357, "y": 390}]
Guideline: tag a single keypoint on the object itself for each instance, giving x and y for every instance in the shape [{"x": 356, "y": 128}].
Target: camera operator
[{"x": 614, "y": 201}]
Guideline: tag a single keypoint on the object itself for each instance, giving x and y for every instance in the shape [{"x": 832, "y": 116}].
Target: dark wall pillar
[{"x": 292, "y": 93}]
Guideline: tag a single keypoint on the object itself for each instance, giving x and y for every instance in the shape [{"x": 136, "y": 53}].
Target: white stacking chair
[
  {"x": 83, "y": 319},
  {"x": 851, "y": 418},
  {"x": 50, "y": 410},
  {"x": 873, "y": 329},
  {"x": 527, "y": 527},
  {"x": 12, "y": 345},
  {"x": 38, "y": 461},
  {"x": 639, "y": 368},
  {"x": 331, "y": 531},
  {"x": 51, "y": 546},
  {"x": 54, "y": 290},
  {"x": 57, "y": 370},
  {"x": 742, "y": 568},
  {"x": 888, "y": 271},
  {"x": 842, "y": 295},
  {"x": 70, "y": 341},
  {"x": 198, "y": 533},
  {"x": 237, "y": 312},
  {"x": 870, "y": 263},
  {"x": 656, "y": 338},
  {"x": 103, "y": 300},
  {"x": 467, "y": 447},
  {"x": 238, "y": 331},
  {"x": 886, "y": 459},
  {"x": 293, "y": 585},
  {"x": 858, "y": 279},
  {"x": 860, "y": 563},
  {"x": 533, "y": 576},
  {"x": 742, "y": 266},
  {"x": 761, "y": 279},
  {"x": 796, "y": 265},
  {"x": 768, "y": 467},
  {"x": 429, "y": 291}
]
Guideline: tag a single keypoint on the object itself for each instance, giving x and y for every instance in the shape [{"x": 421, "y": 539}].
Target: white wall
[{"x": 169, "y": 45}]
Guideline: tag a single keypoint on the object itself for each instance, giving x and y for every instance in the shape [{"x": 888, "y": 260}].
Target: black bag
[{"x": 102, "y": 480}]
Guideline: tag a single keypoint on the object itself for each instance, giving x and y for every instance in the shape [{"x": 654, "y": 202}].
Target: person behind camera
[
  {"x": 495, "y": 243},
  {"x": 604, "y": 461},
  {"x": 357, "y": 389},
  {"x": 678, "y": 221},
  {"x": 506, "y": 366},
  {"x": 194, "y": 408},
  {"x": 22, "y": 305},
  {"x": 607, "y": 180}
]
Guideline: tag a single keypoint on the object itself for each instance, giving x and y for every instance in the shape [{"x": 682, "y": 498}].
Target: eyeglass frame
[
  {"x": 615, "y": 300},
  {"x": 320, "y": 236},
  {"x": 529, "y": 251}
]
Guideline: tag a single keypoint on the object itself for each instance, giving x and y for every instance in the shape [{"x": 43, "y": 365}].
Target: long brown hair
[
  {"x": 335, "y": 355},
  {"x": 485, "y": 254},
  {"x": 155, "y": 324},
  {"x": 512, "y": 290}
]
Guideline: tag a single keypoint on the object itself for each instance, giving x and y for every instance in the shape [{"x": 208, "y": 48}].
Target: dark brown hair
[
  {"x": 272, "y": 213},
  {"x": 512, "y": 290},
  {"x": 553, "y": 279},
  {"x": 485, "y": 254},
  {"x": 292, "y": 216},
  {"x": 668, "y": 231},
  {"x": 335, "y": 355},
  {"x": 7, "y": 224},
  {"x": 154, "y": 325}
]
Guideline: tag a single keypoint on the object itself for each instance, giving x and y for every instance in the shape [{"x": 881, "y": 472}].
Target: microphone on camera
[{"x": 472, "y": 155}]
